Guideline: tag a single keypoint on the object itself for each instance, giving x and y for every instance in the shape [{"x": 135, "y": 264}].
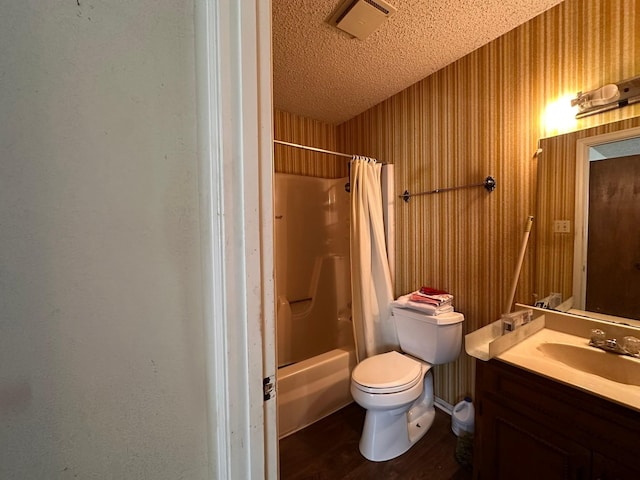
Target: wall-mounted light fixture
[
  {"x": 607, "y": 97},
  {"x": 559, "y": 116}
]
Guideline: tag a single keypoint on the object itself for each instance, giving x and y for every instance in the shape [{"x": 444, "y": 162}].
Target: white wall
[{"x": 102, "y": 369}]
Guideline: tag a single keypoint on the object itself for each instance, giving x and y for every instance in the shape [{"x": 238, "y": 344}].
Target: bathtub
[{"x": 310, "y": 390}]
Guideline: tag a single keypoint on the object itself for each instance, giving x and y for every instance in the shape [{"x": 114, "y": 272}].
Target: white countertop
[{"x": 558, "y": 330}]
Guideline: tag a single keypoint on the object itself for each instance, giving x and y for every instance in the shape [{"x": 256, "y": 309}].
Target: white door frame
[{"x": 233, "y": 58}]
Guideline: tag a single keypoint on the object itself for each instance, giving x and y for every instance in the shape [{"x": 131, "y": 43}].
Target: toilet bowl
[
  {"x": 397, "y": 392},
  {"x": 396, "y": 388}
]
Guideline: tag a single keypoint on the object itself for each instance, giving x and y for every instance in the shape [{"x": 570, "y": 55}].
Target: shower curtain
[{"x": 371, "y": 288}]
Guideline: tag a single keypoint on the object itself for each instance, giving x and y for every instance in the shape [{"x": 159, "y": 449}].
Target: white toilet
[{"x": 397, "y": 388}]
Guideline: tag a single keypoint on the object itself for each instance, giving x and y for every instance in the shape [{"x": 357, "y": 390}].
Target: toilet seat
[{"x": 389, "y": 372}]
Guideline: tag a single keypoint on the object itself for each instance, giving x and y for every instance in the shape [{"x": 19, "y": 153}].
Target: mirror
[{"x": 580, "y": 237}]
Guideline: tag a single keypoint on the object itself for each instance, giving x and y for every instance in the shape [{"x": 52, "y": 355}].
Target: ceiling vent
[{"x": 360, "y": 18}]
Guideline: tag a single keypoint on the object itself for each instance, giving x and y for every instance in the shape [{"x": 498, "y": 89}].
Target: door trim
[{"x": 233, "y": 62}]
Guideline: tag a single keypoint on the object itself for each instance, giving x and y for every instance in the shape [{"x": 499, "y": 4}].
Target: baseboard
[{"x": 442, "y": 405}]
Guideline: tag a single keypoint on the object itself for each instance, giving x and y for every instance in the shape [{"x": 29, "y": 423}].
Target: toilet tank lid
[{"x": 442, "y": 319}]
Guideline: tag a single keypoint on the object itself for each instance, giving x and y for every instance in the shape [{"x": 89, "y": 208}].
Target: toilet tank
[{"x": 436, "y": 339}]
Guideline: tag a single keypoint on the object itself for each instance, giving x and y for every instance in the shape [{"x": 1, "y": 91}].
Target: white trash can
[{"x": 462, "y": 417}]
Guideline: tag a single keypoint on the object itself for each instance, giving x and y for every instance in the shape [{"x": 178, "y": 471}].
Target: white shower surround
[{"x": 316, "y": 387}]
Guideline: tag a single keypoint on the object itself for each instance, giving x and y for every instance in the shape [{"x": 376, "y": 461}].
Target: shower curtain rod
[{"x": 304, "y": 147}]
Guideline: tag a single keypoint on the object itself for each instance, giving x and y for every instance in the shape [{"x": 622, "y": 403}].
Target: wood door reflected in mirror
[
  {"x": 613, "y": 239},
  {"x": 560, "y": 233}
]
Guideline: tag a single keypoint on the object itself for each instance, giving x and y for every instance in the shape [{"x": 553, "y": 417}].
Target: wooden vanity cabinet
[{"x": 531, "y": 427}]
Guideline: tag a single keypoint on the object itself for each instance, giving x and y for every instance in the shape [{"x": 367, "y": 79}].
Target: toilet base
[
  {"x": 420, "y": 424},
  {"x": 388, "y": 434}
]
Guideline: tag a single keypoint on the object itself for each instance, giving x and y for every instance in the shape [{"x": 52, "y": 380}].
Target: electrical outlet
[{"x": 561, "y": 226}]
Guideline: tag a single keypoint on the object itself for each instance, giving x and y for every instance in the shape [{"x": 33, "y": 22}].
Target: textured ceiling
[{"x": 322, "y": 73}]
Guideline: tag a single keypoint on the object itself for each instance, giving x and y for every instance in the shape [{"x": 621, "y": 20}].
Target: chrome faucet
[{"x": 627, "y": 346}]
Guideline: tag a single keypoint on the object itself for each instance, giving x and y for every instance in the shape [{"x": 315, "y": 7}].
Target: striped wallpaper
[
  {"x": 482, "y": 116},
  {"x": 296, "y": 129}
]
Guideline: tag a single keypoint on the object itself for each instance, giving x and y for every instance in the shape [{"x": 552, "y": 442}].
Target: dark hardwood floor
[{"x": 328, "y": 449}]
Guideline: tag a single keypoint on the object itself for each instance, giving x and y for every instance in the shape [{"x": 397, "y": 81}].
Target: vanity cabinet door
[
  {"x": 608, "y": 469},
  {"x": 515, "y": 446}
]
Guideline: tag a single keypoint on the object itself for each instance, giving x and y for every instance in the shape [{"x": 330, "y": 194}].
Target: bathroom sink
[{"x": 618, "y": 368}]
